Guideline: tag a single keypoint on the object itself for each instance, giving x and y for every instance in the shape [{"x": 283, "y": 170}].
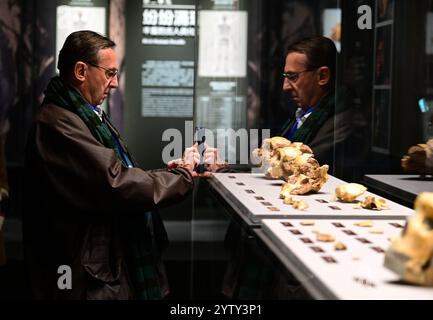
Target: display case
[{"x": 382, "y": 104}]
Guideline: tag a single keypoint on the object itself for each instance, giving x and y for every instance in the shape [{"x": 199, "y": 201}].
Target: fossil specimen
[
  {"x": 309, "y": 177},
  {"x": 294, "y": 163},
  {"x": 411, "y": 254},
  {"x": 419, "y": 159},
  {"x": 374, "y": 203},
  {"x": 296, "y": 204},
  {"x": 339, "y": 246},
  {"x": 307, "y": 223},
  {"x": 364, "y": 224},
  {"x": 349, "y": 192},
  {"x": 322, "y": 237}
]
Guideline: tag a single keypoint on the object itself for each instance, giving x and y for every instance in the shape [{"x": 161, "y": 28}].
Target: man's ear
[
  {"x": 324, "y": 74},
  {"x": 80, "y": 71}
]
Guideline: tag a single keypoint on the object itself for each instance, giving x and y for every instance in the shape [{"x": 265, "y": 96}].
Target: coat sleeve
[{"x": 88, "y": 176}]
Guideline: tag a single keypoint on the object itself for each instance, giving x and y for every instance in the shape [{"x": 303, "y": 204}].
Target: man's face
[
  {"x": 99, "y": 81},
  {"x": 303, "y": 85}
]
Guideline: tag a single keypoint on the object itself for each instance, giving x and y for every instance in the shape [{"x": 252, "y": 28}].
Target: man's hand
[
  {"x": 212, "y": 160},
  {"x": 190, "y": 159},
  {"x": 191, "y": 156}
]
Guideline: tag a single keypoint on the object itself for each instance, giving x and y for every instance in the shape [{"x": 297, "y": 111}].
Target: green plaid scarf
[
  {"x": 65, "y": 96},
  {"x": 309, "y": 129},
  {"x": 147, "y": 271},
  {"x": 326, "y": 108}
]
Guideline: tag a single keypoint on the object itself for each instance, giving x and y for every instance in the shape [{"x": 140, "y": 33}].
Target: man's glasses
[
  {"x": 109, "y": 73},
  {"x": 294, "y": 76}
]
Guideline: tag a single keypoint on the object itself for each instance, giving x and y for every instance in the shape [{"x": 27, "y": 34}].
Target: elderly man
[
  {"x": 90, "y": 226},
  {"x": 309, "y": 75}
]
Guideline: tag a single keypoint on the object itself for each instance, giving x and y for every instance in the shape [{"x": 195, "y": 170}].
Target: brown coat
[{"x": 77, "y": 193}]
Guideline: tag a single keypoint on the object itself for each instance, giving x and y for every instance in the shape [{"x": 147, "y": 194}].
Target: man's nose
[
  {"x": 114, "y": 82},
  {"x": 287, "y": 86}
]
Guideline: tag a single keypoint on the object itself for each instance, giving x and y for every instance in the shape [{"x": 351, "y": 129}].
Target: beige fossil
[
  {"x": 308, "y": 223},
  {"x": 323, "y": 237},
  {"x": 419, "y": 159},
  {"x": 411, "y": 254},
  {"x": 300, "y": 205},
  {"x": 364, "y": 224},
  {"x": 374, "y": 203},
  {"x": 376, "y": 231},
  {"x": 349, "y": 192},
  {"x": 339, "y": 246},
  {"x": 292, "y": 162}
]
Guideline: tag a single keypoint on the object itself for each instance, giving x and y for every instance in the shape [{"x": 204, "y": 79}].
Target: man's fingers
[
  {"x": 211, "y": 149},
  {"x": 209, "y": 160},
  {"x": 212, "y": 152}
]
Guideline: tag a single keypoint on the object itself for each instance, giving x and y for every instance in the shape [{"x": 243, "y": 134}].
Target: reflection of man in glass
[
  {"x": 324, "y": 119},
  {"x": 309, "y": 76}
]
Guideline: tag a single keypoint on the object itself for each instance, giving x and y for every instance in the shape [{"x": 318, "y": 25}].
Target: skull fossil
[
  {"x": 419, "y": 159},
  {"x": 308, "y": 177},
  {"x": 410, "y": 255},
  {"x": 294, "y": 163},
  {"x": 266, "y": 154},
  {"x": 277, "y": 156}
]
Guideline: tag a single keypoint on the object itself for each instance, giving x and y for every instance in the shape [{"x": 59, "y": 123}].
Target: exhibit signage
[
  {"x": 167, "y": 83},
  {"x": 160, "y": 74}
]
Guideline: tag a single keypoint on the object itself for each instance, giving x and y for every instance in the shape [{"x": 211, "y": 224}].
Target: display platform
[
  {"x": 255, "y": 198},
  {"x": 403, "y": 187},
  {"x": 354, "y": 273}
]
